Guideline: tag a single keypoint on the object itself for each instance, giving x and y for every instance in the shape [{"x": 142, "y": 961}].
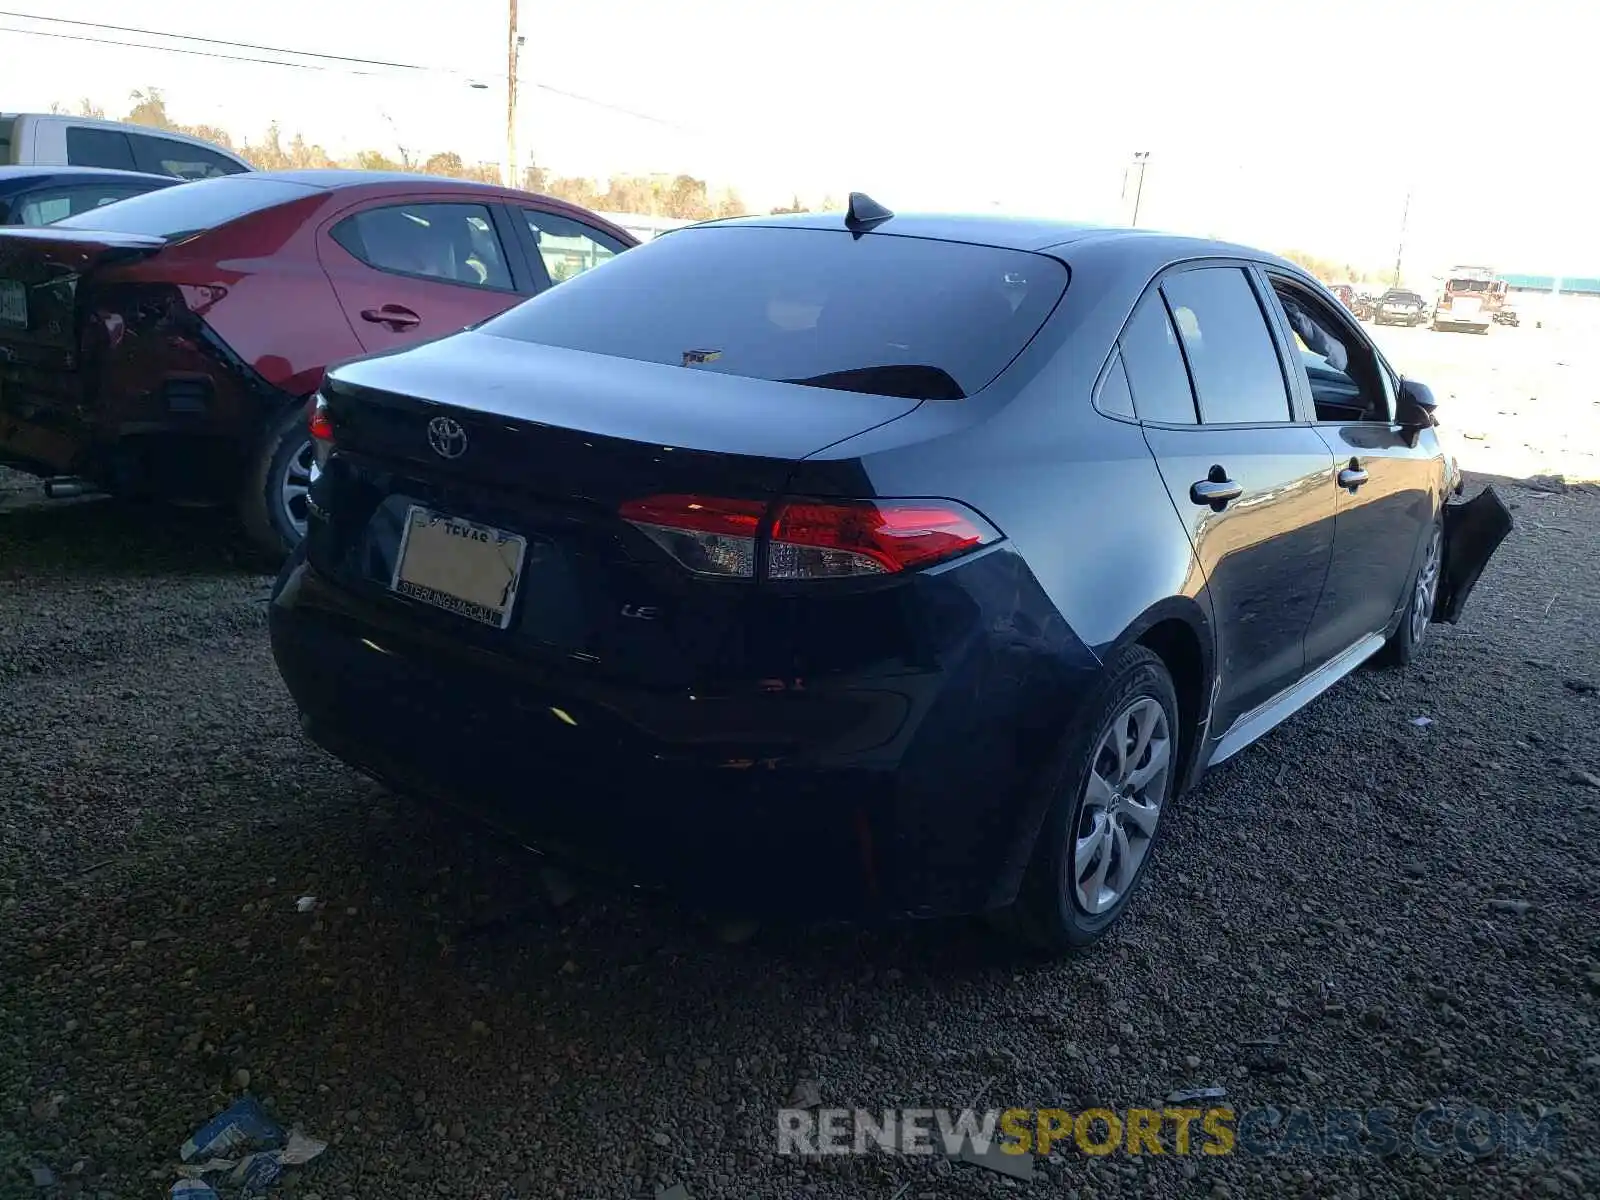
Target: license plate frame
[
  {"x": 13, "y": 304},
  {"x": 435, "y": 544}
]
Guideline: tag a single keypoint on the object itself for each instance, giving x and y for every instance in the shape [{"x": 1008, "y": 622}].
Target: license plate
[
  {"x": 460, "y": 566},
  {"x": 13, "y": 303}
]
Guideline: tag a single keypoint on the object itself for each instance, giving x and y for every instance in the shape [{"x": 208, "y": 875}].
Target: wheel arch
[{"x": 1179, "y": 630}]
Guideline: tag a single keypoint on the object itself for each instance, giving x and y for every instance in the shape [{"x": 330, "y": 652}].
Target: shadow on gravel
[{"x": 123, "y": 538}]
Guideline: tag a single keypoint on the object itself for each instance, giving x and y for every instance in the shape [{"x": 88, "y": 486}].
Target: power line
[
  {"x": 275, "y": 62},
  {"x": 83, "y": 37},
  {"x": 190, "y": 37},
  {"x": 616, "y": 108}
]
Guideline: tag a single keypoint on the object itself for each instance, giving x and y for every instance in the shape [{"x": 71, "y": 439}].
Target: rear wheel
[
  {"x": 1406, "y": 640},
  {"x": 1114, "y": 778},
  {"x": 273, "y": 506}
]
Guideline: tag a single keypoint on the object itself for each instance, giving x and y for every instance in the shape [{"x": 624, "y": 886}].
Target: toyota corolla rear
[{"x": 587, "y": 573}]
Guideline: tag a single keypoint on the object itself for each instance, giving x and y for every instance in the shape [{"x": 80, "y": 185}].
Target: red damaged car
[{"x": 166, "y": 345}]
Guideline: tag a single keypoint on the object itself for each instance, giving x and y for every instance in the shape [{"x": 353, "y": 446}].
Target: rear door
[
  {"x": 421, "y": 267},
  {"x": 1250, "y": 479},
  {"x": 1387, "y": 492}
]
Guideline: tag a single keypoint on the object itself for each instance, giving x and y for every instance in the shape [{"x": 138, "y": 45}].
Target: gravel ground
[{"x": 1334, "y": 888}]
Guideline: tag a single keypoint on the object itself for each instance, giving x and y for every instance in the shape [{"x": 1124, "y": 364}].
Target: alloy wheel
[
  {"x": 1121, "y": 805},
  {"x": 300, "y": 469},
  {"x": 1427, "y": 588}
]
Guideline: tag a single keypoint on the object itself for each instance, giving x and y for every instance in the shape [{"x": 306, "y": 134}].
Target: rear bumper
[
  {"x": 169, "y": 412},
  {"x": 901, "y": 788}
]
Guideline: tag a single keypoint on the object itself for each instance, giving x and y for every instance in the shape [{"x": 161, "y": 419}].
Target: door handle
[
  {"x": 1216, "y": 489},
  {"x": 392, "y": 315},
  {"x": 1352, "y": 476}
]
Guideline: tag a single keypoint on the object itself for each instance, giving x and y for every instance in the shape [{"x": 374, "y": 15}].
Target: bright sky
[{"x": 1300, "y": 123}]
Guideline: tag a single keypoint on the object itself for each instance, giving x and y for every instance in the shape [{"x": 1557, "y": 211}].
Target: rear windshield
[
  {"x": 892, "y": 316},
  {"x": 1401, "y": 298},
  {"x": 190, "y": 207}
]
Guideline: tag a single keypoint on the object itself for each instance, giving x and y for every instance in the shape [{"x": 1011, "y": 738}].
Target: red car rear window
[{"x": 194, "y": 207}]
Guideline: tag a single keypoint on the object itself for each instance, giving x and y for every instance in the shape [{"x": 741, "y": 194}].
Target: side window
[
  {"x": 1237, "y": 375},
  {"x": 1346, "y": 382},
  {"x": 453, "y": 242},
  {"x": 1154, "y": 365},
  {"x": 48, "y": 207},
  {"x": 569, "y": 247},
  {"x": 88, "y": 146},
  {"x": 1114, "y": 398},
  {"x": 163, "y": 156}
]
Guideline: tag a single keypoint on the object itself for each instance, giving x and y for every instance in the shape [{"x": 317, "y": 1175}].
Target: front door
[
  {"x": 408, "y": 270},
  {"x": 1387, "y": 491},
  {"x": 1250, "y": 481}
]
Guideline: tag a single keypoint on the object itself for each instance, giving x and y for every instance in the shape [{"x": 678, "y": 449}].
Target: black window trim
[
  {"x": 1289, "y": 356},
  {"x": 1112, "y": 360},
  {"x": 497, "y": 222}
]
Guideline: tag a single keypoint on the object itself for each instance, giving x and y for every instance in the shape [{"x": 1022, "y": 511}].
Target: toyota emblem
[{"x": 447, "y": 437}]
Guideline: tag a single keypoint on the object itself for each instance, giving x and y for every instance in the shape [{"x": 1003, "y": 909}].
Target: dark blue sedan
[
  {"x": 867, "y": 564},
  {"x": 43, "y": 195}
]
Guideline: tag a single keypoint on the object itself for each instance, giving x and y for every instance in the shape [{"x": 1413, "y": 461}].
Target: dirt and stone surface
[{"x": 1360, "y": 911}]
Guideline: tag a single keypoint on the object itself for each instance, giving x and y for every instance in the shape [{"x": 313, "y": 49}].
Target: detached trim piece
[{"x": 1473, "y": 531}]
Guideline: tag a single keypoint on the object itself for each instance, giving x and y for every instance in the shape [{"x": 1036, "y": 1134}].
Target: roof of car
[
  {"x": 1018, "y": 233},
  {"x": 336, "y": 177},
  {"x": 51, "y": 171}
]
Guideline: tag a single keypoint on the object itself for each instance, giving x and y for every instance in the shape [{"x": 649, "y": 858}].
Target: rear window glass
[
  {"x": 893, "y": 316},
  {"x": 204, "y": 204}
]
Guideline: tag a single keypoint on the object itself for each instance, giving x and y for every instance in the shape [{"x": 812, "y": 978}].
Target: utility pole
[
  {"x": 1141, "y": 159},
  {"x": 513, "y": 47},
  {"x": 1400, "y": 251}
]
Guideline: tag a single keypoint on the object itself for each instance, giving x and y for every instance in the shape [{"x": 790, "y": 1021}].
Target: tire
[
  {"x": 1050, "y": 912},
  {"x": 272, "y": 506},
  {"x": 1407, "y": 639}
]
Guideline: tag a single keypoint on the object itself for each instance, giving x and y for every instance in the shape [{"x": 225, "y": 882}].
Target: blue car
[
  {"x": 43, "y": 195},
  {"x": 865, "y": 564}
]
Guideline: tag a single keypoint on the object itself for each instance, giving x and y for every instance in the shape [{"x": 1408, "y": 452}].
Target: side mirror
[{"x": 1415, "y": 409}]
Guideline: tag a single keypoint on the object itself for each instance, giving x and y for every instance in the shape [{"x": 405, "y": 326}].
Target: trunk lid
[
  {"x": 542, "y": 446},
  {"x": 39, "y": 274},
  {"x": 584, "y": 428}
]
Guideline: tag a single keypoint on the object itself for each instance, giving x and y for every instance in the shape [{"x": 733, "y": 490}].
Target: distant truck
[
  {"x": 1469, "y": 300},
  {"x": 53, "y": 139}
]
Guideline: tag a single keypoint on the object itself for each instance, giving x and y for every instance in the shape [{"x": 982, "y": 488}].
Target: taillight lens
[
  {"x": 817, "y": 539},
  {"x": 710, "y": 535},
  {"x": 810, "y": 539},
  {"x": 320, "y": 427}
]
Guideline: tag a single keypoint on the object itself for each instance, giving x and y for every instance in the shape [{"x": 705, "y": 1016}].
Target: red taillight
[
  {"x": 822, "y": 539},
  {"x": 708, "y": 534},
  {"x": 810, "y": 539},
  {"x": 317, "y": 422}
]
